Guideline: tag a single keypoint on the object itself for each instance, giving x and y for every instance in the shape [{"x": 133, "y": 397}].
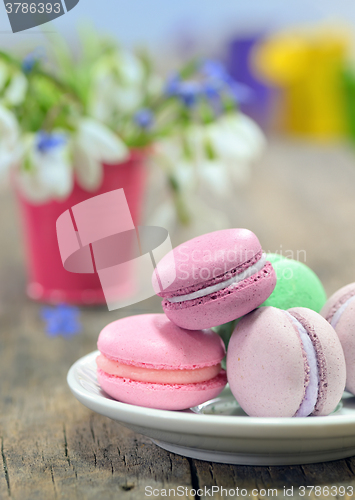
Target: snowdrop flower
[
  {"x": 130, "y": 68},
  {"x": 47, "y": 172},
  {"x": 118, "y": 85},
  {"x": 9, "y": 139},
  {"x": 236, "y": 141},
  {"x": 93, "y": 145},
  {"x": 235, "y": 137},
  {"x": 101, "y": 105},
  {"x": 16, "y": 90},
  {"x": 168, "y": 154},
  {"x": 220, "y": 154}
]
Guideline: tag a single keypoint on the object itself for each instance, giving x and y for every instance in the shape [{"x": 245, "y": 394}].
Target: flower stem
[{"x": 181, "y": 210}]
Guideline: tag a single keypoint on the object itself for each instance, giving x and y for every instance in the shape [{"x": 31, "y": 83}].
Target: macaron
[
  {"x": 218, "y": 277},
  {"x": 339, "y": 310},
  {"x": 146, "y": 360},
  {"x": 285, "y": 363},
  {"x": 297, "y": 285}
]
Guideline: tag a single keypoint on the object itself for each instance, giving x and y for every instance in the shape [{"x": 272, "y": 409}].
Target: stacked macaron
[
  {"x": 146, "y": 360},
  {"x": 283, "y": 360},
  {"x": 285, "y": 363},
  {"x": 175, "y": 363},
  {"x": 220, "y": 276},
  {"x": 339, "y": 310},
  {"x": 296, "y": 286}
]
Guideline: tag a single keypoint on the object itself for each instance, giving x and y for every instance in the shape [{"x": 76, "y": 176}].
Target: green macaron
[{"x": 296, "y": 286}]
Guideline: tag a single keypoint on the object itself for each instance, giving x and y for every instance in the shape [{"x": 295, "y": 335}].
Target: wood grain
[{"x": 302, "y": 197}]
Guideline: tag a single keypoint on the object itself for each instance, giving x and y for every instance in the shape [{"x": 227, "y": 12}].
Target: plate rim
[{"x": 223, "y": 425}]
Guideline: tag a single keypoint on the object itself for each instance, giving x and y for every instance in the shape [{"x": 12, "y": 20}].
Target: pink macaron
[
  {"x": 285, "y": 363},
  {"x": 218, "y": 277},
  {"x": 339, "y": 310},
  {"x": 148, "y": 361}
]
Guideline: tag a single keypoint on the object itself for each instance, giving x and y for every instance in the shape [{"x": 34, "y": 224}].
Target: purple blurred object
[
  {"x": 144, "y": 118},
  {"x": 238, "y": 66}
]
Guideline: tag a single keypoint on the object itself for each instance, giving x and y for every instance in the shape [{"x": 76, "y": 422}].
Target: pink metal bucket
[{"x": 48, "y": 281}]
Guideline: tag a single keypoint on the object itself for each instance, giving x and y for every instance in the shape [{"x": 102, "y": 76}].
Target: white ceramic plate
[{"x": 219, "y": 431}]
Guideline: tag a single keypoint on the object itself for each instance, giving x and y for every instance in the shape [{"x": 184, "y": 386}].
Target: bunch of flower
[{"x": 62, "y": 114}]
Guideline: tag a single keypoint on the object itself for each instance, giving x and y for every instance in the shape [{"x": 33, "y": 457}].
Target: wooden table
[{"x": 302, "y": 196}]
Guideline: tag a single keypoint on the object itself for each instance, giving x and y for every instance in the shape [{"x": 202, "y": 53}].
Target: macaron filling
[
  {"x": 337, "y": 315},
  {"x": 310, "y": 398},
  {"x": 157, "y": 376},
  {"x": 253, "y": 269}
]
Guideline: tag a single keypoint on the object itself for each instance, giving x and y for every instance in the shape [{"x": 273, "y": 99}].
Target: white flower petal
[
  {"x": 100, "y": 142},
  {"x": 130, "y": 68},
  {"x": 50, "y": 175},
  {"x": 31, "y": 187},
  {"x": 16, "y": 91},
  {"x": 56, "y": 176},
  {"x": 248, "y": 132},
  {"x": 235, "y": 137},
  {"x": 88, "y": 169},
  {"x": 101, "y": 106}
]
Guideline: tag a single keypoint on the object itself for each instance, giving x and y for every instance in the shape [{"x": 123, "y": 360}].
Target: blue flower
[
  {"x": 144, "y": 118},
  {"x": 31, "y": 59},
  {"x": 214, "y": 70},
  {"x": 218, "y": 79},
  {"x": 213, "y": 80},
  {"x": 61, "y": 320},
  {"x": 28, "y": 63},
  {"x": 172, "y": 85},
  {"x": 46, "y": 141},
  {"x": 188, "y": 91}
]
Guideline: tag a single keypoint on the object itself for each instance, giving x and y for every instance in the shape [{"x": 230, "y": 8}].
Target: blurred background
[{"x": 274, "y": 154}]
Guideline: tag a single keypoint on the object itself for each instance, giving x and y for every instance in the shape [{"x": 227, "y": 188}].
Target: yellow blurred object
[{"x": 307, "y": 65}]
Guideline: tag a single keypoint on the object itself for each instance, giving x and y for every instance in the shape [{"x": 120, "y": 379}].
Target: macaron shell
[
  {"x": 225, "y": 305},
  {"x": 297, "y": 285},
  {"x": 345, "y": 329},
  {"x": 205, "y": 257},
  {"x": 265, "y": 366},
  {"x": 151, "y": 340},
  {"x": 161, "y": 396},
  {"x": 339, "y": 296},
  {"x": 330, "y": 354}
]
